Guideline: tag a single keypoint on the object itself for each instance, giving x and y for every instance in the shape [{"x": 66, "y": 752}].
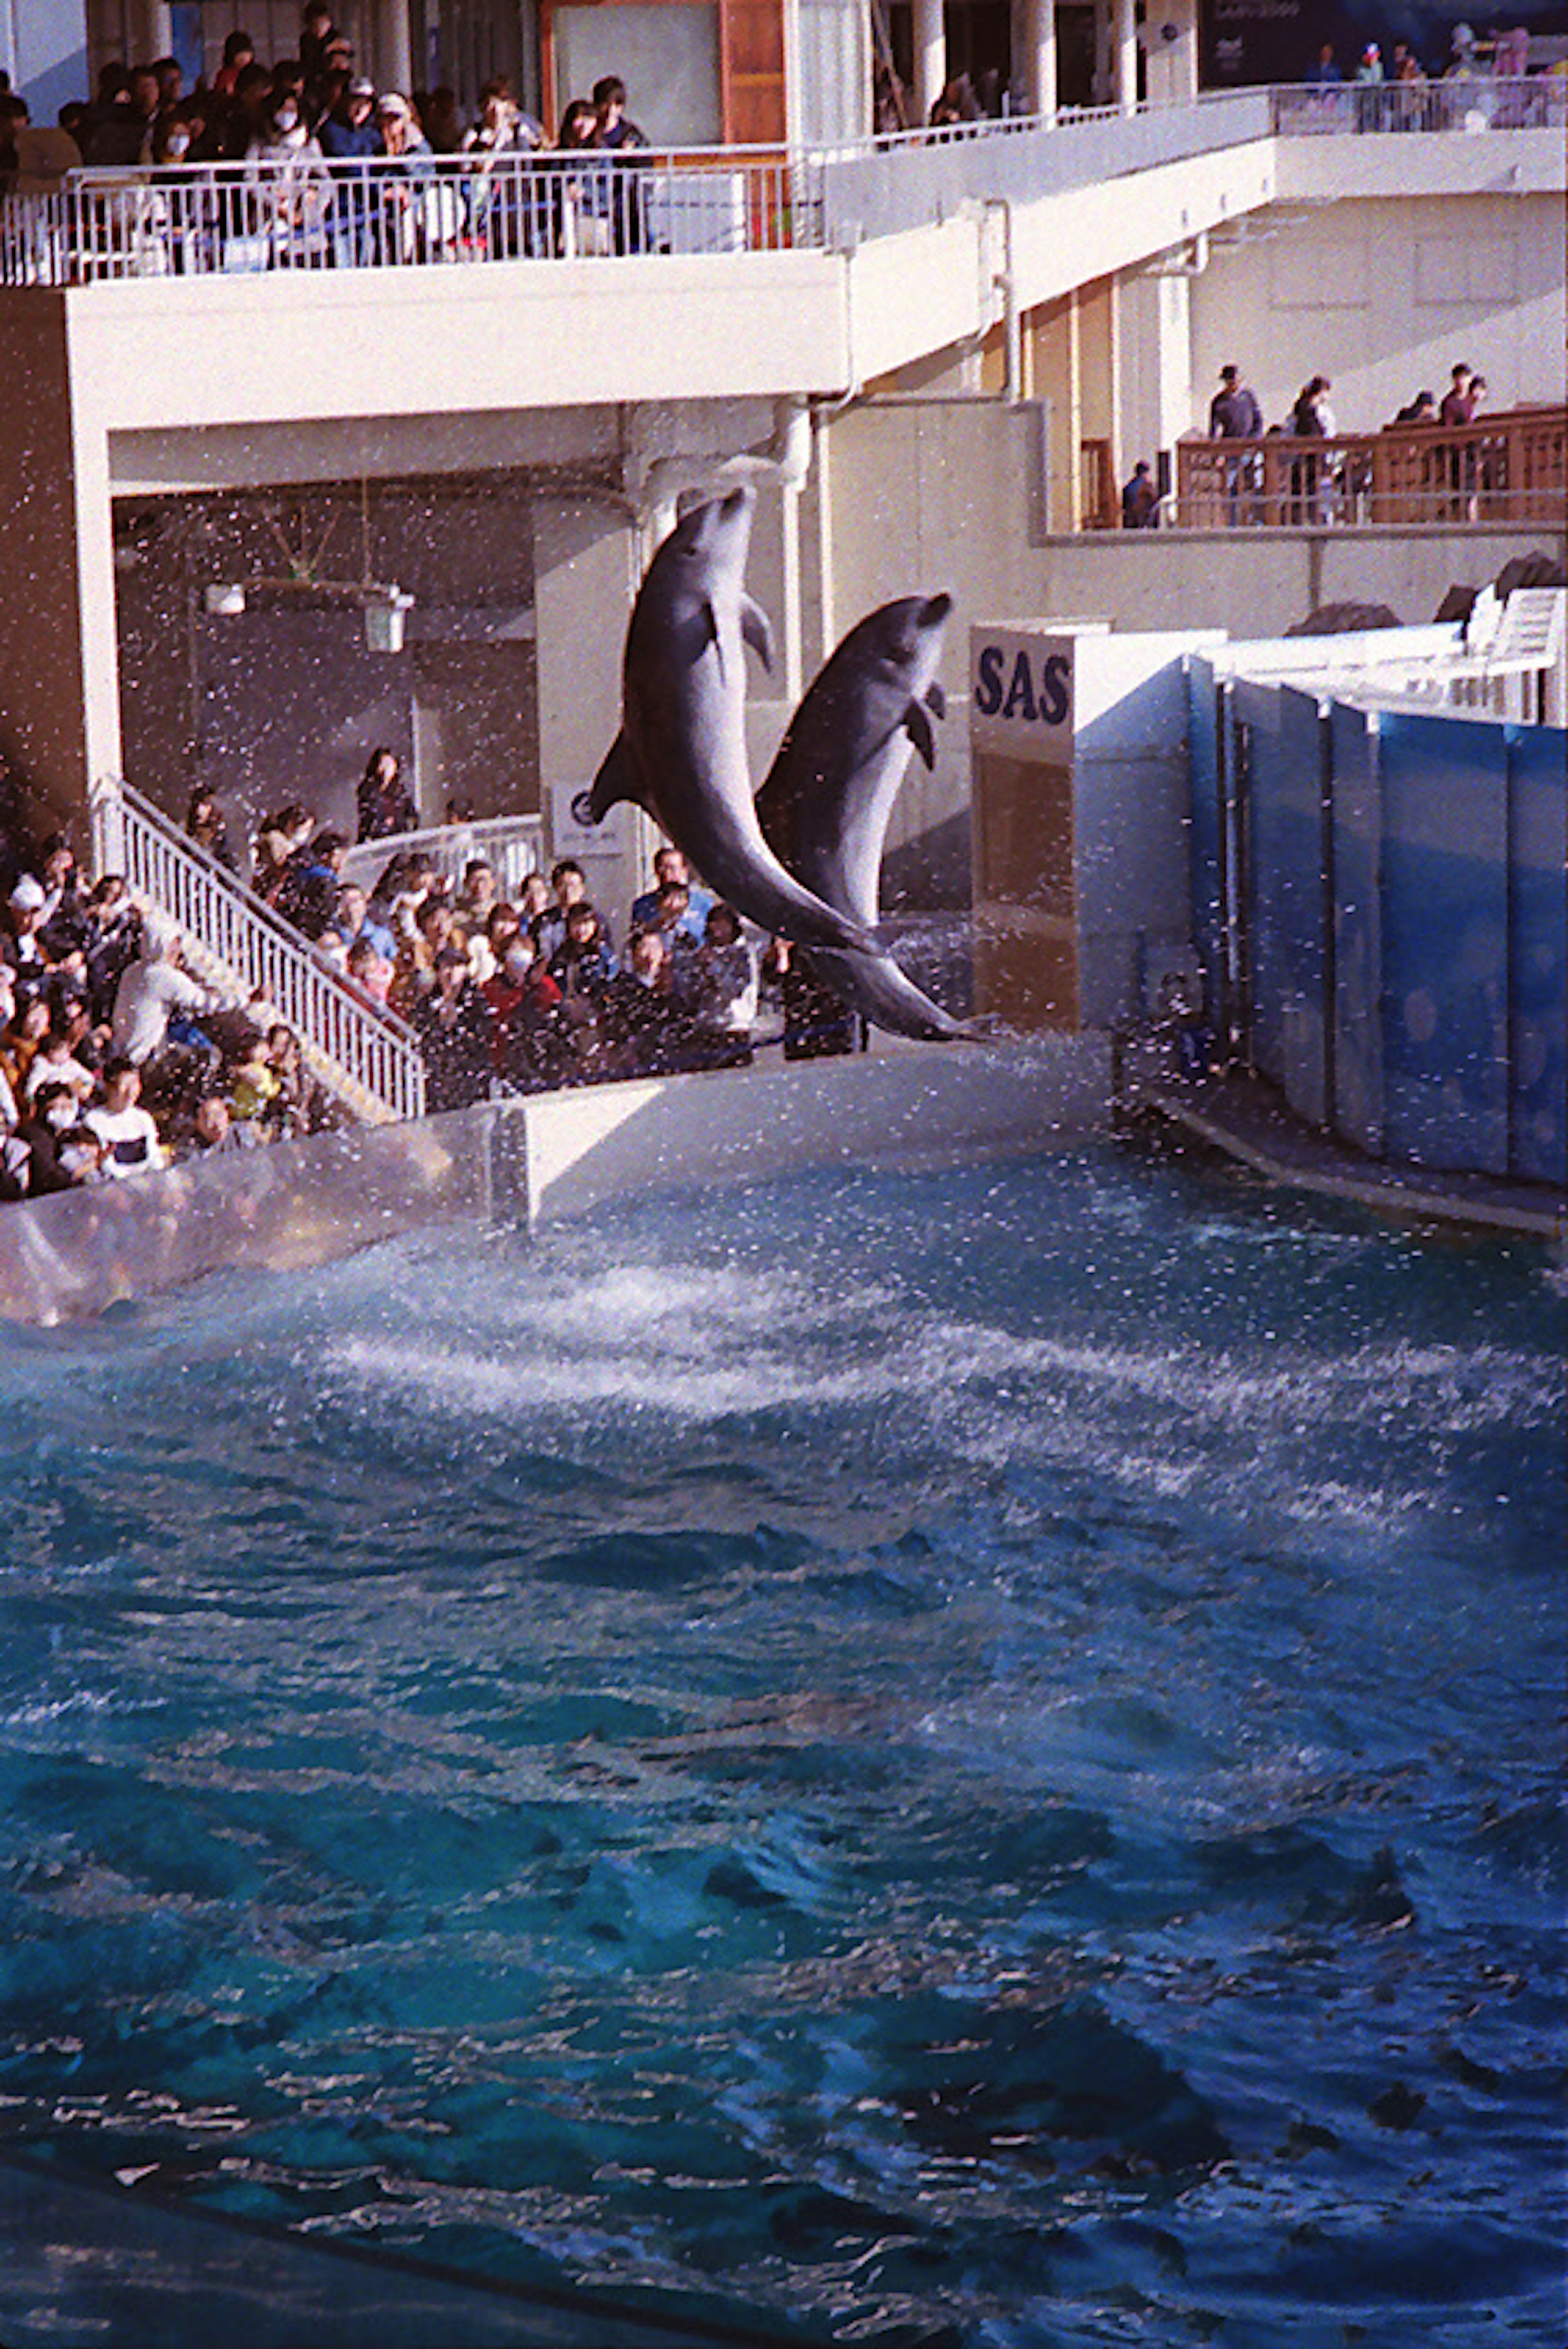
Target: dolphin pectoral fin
[
  {"x": 757, "y": 630},
  {"x": 618, "y": 778},
  {"x": 936, "y": 701},
  {"x": 917, "y": 725},
  {"x": 712, "y": 636}
]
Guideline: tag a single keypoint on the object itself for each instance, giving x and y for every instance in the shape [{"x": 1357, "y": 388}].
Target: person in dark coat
[
  {"x": 455, "y": 1030},
  {"x": 383, "y": 800},
  {"x": 54, "y": 1111}
]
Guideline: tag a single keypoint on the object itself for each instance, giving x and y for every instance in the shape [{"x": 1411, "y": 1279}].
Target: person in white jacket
[{"x": 153, "y": 989}]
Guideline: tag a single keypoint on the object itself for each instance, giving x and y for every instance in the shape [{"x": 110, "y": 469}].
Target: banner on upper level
[{"x": 1249, "y": 41}]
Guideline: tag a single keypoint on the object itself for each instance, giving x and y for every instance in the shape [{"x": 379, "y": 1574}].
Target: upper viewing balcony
[{"x": 800, "y": 265}]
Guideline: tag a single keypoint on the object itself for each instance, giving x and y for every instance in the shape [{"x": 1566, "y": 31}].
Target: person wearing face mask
[
  {"x": 294, "y": 190},
  {"x": 529, "y": 1045}
]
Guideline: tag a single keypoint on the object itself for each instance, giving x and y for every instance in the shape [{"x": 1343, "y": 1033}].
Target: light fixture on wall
[
  {"x": 385, "y": 609},
  {"x": 382, "y": 604}
]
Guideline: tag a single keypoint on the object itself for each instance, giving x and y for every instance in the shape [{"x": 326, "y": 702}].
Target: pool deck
[{"x": 1246, "y": 1118}]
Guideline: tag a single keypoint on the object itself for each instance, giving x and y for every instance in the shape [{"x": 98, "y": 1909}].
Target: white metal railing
[
  {"x": 512, "y": 845},
  {"x": 200, "y": 220},
  {"x": 1471, "y": 103},
  {"x": 369, "y": 1058},
  {"x": 206, "y": 220}
]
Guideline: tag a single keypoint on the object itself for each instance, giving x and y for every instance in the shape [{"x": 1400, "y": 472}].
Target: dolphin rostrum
[
  {"x": 681, "y": 749},
  {"x": 830, "y": 792}
]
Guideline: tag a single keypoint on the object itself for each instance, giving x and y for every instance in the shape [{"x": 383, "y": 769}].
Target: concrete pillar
[
  {"x": 792, "y": 618},
  {"x": 1074, "y": 517},
  {"x": 393, "y": 48},
  {"x": 1034, "y": 50},
  {"x": 588, "y": 560},
  {"x": 1124, "y": 55},
  {"x": 1170, "y": 48},
  {"x": 59, "y": 714},
  {"x": 819, "y": 631},
  {"x": 931, "y": 56}
]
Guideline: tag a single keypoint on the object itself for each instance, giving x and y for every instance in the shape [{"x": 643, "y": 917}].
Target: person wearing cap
[
  {"x": 1235, "y": 415},
  {"x": 22, "y": 942},
  {"x": 455, "y": 1030},
  {"x": 407, "y": 152},
  {"x": 348, "y": 138}
]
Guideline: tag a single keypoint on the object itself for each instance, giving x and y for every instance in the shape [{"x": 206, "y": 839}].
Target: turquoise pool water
[{"x": 969, "y": 1756}]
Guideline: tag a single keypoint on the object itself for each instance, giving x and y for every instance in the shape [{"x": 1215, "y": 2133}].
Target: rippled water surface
[{"x": 971, "y": 1754}]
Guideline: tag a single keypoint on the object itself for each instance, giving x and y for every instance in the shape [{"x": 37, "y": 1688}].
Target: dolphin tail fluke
[
  {"x": 875, "y": 986},
  {"x": 618, "y": 778}
]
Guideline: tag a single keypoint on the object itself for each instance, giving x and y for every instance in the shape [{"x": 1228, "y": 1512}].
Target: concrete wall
[
  {"x": 944, "y": 494},
  {"x": 1383, "y": 295},
  {"x": 41, "y": 672}
]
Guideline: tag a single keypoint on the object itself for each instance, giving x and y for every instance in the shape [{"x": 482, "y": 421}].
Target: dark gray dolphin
[
  {"x": 830, "y": 792},
  {"x": 681, "y": 749}
]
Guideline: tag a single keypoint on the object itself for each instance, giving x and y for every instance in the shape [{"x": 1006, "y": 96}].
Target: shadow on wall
[{"x": 931, "y": 873}]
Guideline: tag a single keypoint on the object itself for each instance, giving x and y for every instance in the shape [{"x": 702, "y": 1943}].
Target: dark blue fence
[{"x": 1381, "y": 913}]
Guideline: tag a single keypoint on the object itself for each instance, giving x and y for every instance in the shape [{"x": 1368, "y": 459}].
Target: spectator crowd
[
  {"x": 115, "y": 1058},
  {"x": 519, "y": 997},
  {"x": 336, "y": 169}
]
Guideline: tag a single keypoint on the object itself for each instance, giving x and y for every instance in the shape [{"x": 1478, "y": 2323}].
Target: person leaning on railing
[
  {"x": 499, "y": 209},
  {"x": 349, "y": 139}
]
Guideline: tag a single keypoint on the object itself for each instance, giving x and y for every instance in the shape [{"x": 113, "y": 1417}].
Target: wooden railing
[{"x": 1511, "y": 467}]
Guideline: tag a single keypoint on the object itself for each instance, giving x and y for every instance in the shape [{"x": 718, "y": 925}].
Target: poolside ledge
[{"x": 299, "y": 1204}]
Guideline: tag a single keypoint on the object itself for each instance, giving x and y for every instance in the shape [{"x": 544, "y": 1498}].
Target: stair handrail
[{"x": 342, "y": 1033}]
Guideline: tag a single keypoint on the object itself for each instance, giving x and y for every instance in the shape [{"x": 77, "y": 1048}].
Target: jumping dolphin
[
  {"x": 830, "y": 792},
  {"x": 681, "y": 749}
]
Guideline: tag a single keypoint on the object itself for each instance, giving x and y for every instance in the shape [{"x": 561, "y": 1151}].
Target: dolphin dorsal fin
[
  {"x": 918, "y": 728},
  {"x": 619, "y": 778},
  {"x": 757, "y": 630},
  {"x": 936, "y": 700}
]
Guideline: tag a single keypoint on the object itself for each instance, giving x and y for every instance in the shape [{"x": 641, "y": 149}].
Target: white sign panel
[{"x": 1021, "y": 694}]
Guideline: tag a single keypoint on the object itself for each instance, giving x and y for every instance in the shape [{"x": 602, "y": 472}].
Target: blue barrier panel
[
  {"x": 1284, "y": 888},
  {"x": 1444, "y": 941},
  {"x": 1537, "y": 952},
  {"x": 1204, "y": 837},
  {"x": 1257, "y": 708},
  {"x": 1357, "y": 1109},
  {"x": 1302, "y": 946}
]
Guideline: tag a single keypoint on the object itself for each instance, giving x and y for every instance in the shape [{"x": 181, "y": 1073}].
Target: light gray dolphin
[
  {"x": 681, "y": 749},
  {"x": 830, "y": 792}
]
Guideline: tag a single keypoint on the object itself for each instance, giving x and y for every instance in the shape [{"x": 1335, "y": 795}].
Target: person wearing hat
[
  {"x": 21, "y": 941},
  {"x": 348, "y": 138},
  {"x": 410, "y": 160},
  {"x": 1235, "y": 415}
]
